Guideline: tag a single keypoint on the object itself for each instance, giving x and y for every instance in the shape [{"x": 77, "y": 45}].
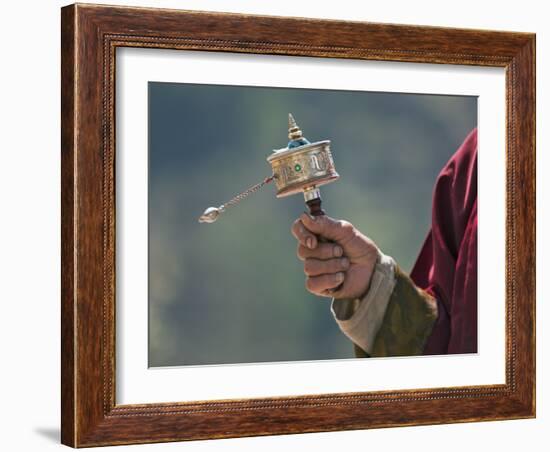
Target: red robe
[{"x": 447, "y": 264}]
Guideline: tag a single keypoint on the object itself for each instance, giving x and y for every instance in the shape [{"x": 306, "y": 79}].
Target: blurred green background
[{"x": 233, "y": 291}]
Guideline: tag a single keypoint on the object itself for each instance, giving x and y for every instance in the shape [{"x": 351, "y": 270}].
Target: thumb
[{"x": 327, "y": 227}]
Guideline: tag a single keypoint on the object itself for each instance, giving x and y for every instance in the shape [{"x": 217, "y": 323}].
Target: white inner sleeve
[{"x": 361, "y": 319}]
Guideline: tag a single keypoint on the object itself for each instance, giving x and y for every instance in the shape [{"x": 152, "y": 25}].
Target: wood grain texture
[
  {"x": 90, "y": 36},
  {"x": 67, "y": 227}
]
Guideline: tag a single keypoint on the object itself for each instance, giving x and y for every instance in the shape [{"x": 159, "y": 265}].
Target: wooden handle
[{"x": 315, "y": 207}]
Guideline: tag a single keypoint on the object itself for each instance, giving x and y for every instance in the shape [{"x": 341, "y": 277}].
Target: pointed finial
[
  {"x": 291, "y": 121},
  {"x": 294, "y": 132}
]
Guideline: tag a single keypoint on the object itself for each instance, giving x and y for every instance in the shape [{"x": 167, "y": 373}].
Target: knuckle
[
  {"x": 327, "y": 251},
  {"x": 301, "y": 251},
  {"x": 345, "y": 226},
  {"x": 319, "y": 252},
  {"x": 303, "y": 233},
  {"x": 343, "y": 263},
  {"x": 328, "y": 266},
  {"x": 347, "y": 232},
  {"x": 309, "y": 266}
]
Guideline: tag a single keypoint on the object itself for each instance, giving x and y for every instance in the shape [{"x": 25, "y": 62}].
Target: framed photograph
[{"x": 282, "y": 225}]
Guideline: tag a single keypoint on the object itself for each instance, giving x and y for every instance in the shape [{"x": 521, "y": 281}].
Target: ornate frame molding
[{"x": 90, "y": 36}]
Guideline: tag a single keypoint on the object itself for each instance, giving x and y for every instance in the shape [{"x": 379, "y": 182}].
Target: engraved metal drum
[{"x": 300, "y": 168}]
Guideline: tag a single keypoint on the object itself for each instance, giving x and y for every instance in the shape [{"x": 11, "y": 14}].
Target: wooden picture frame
[{"x": 90, "y": 35}]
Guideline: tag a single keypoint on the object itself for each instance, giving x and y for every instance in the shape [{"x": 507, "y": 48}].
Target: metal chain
[{"x": 246, "y": 193}]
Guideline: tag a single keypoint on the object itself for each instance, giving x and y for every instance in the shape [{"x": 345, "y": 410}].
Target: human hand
[{"x": 345, "y": 262}]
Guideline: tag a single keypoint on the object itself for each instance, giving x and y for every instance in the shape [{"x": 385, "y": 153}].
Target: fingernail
[
  {"x": 337, "y": 251},
  {"x": 309, "y": 242},
  {"x": 339, "y": 277},
  {"x": 345, "y": 263}
]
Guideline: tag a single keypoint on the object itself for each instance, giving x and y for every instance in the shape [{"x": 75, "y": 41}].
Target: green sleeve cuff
[{"x": 409, "y": 319}]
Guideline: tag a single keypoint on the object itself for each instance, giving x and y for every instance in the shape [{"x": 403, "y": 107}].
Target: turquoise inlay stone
[
  {"x": 297, "y": 167},
  {"x": 299, "y": 142}
]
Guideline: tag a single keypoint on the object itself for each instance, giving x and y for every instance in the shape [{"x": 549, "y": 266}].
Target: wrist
[
  {"x": 374, "y": 266},
  {"x": 360, "y": 318}
]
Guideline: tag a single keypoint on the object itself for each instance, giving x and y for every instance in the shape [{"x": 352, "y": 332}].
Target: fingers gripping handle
[{"x": 315, "y": 210}]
